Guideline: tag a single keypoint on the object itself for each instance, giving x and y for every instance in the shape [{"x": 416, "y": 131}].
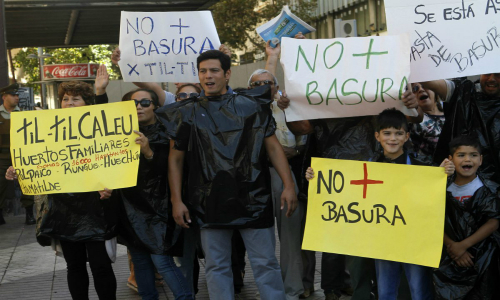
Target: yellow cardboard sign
[
  {"x": 75, "y": 150},
  {"x": 377, "y": 210}
]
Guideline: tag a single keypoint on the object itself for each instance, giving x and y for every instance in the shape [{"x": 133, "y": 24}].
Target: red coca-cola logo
[{"x": 69, "y": 71}]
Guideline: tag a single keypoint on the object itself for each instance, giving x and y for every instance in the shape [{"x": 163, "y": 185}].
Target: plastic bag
[
  {"x": 78, "y": 217},
  {"x": 145, "y": 219},
  {"x": 345, "y": 138},
  {"x": 473, "y": 113},
  {"x": 223, "y": 138},
  {"x": 463, "y": 220}
]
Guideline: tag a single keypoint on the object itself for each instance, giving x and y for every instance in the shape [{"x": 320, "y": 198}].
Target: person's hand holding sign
[
  {"x": 283, "y": 101},
  {"x": 309, "y": 173},
  {"x": 409, "y": 99},
  {"x": 143, "y": 141},
  {"x": 449, "y": 167},
  {"x": 11, "y": 174},
  {"x": 105, "y": 194}
]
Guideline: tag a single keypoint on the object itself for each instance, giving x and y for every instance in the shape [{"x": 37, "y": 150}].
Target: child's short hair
[
  {"x": 391, "y": 118},
  {"x": 464, "y": 140}
]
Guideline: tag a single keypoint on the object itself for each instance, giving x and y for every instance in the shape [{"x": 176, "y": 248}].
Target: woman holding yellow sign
[{"x": 80, "y": 221}]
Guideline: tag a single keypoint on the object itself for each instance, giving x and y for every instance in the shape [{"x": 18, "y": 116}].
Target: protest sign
[
  {"x": 376, "y": 210},
  {"x": 75, "y": 150},
  {"x": 163, "y": 46},
  {"x": 344, "y": 77},
  {"x": 449, "y": 38},
  {"x": 286, "y": 24}
]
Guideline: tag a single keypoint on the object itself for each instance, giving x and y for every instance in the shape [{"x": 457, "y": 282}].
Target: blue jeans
[
  {"x": 389, "y": 276},
  {"x": 144, "y": 264},
  {"x": 260, "y": 245}
]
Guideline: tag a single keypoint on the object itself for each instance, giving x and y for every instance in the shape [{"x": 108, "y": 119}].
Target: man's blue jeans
[
  {"x": 389, "y": 276},
  {"x": 144, "y": 266}
]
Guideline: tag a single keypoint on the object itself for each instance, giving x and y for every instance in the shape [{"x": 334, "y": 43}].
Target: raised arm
[
  {"x": 437, "y": 86},
  {"x": 273, "y": 56},
  {"x": 101, "y": 80},
  {"x": 155, "y": 87}
]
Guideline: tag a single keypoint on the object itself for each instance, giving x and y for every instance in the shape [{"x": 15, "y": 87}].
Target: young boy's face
[
  {"x": 467, "y": 160},
  {"x": 392, "y": 140}
]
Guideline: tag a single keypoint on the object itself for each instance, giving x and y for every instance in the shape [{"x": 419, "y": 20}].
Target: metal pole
[
  {"x": 42, "y": 85},
  {"x": 4, "y": 66}
]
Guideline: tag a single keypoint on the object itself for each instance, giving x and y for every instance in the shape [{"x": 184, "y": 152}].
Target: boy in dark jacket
[
  {"x": 392, "y": 133},
  {"x": 469, "y": 266}
]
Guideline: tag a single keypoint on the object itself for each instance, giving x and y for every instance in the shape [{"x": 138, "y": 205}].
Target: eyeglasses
[
  {"x": 416, "y": 88},
  {"x": 186, "y": 95},
  {"x": 143, "y": 102},
  {"x": 261, "y": 82}
]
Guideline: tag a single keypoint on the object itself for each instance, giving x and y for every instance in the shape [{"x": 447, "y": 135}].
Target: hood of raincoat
[
  {"x": 223, "y": 137},
  {"x": 145, "y": 214},
  {"x": 461, "y": 221}
]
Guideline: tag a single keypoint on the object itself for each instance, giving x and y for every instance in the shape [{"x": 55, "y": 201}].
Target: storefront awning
[{"x": 72, "y": 23}]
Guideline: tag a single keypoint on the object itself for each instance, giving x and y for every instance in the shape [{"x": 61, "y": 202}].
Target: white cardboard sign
[
  {"x": 163, "y": 46},
  {"x": 345, "y": 77},
  {"x": 449, "y": 38}
]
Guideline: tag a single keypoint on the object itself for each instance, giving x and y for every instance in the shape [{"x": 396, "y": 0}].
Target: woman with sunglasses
[
  {"x": 81, "y": 222},
  {"x": 147, "y": 226},
  {"x": 187, "y": 90},
  {"x": 425, "y": 135}
]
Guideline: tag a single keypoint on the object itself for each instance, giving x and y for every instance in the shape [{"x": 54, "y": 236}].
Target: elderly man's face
[
  {"x": 268, "y": 77},
  {"x": 490, "y": 84}
]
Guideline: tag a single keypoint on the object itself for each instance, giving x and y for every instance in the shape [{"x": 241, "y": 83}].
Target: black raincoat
[
  {"x": 463, "y": 220},
  {"x": 78, "y": 217},
  {"x": 228, "y": 168},
  {"x": 345, "y": 138},
  {"x": 470, "y": 112},
  {"x": 145, "y": 213}
]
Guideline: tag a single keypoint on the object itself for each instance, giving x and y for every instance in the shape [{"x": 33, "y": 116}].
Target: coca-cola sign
[{"x": 68, "y": 71}]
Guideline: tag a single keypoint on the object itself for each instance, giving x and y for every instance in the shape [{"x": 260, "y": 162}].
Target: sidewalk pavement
[{"x": 29, "y": 271}]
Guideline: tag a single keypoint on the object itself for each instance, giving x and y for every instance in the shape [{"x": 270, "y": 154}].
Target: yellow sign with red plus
[{"x": 377, "y": 210}]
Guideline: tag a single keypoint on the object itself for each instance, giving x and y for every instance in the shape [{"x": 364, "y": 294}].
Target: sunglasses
[
  {"x": 143, "y": 102},
  {"x": 261, "y": 82},
  {"x": 186, "y": 95}
]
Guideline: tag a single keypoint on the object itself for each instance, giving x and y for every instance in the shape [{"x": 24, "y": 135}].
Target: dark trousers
[
  {"x": 332, "y": 272},
  {"x": 76, "y": 255},
  {"x": 362, "y": 272}
]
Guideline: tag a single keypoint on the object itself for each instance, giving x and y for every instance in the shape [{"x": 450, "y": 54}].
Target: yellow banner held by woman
[
  {"x": 376, "y": 210},
  {"x": 75, "y": 150}
]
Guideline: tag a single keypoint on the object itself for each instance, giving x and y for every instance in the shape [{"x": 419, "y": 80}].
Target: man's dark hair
[
  {"x": 464, "y": 140},
  {"x": 225, "y": 61},
  {"x": 392, "y": 118}
]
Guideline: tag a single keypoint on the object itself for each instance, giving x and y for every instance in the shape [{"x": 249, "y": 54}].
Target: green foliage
[
  {"x": 236, "y": 20},
  {"x": 92, "y": 54}
]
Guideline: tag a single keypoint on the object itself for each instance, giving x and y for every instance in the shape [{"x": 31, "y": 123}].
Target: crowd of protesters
[{"x": 221, "y": 169}]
